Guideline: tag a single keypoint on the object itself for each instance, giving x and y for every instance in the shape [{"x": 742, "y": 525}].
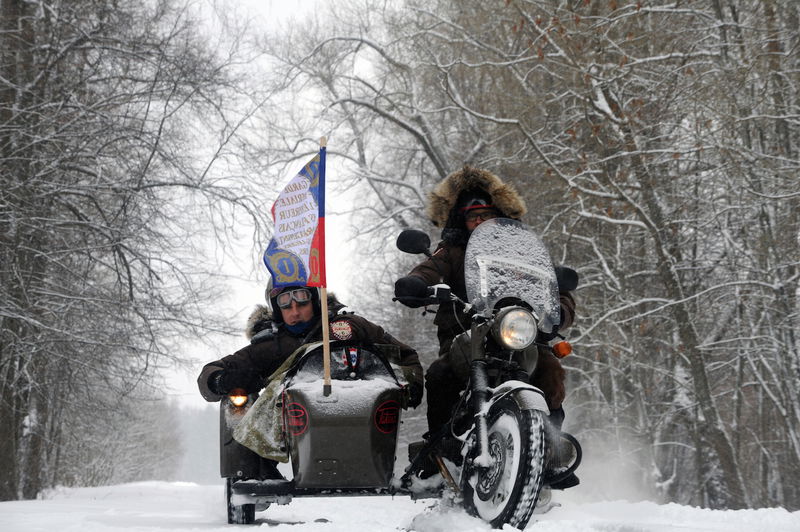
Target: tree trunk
[{"x": 669, "y": 254}]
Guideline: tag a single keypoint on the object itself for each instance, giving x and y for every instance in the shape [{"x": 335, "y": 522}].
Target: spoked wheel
[
  {"x": 507, "y": 491},
  {"x": 244, "y": 514}
]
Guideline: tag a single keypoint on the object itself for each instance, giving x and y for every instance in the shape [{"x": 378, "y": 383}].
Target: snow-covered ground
[{"x": 160, "y": 506}]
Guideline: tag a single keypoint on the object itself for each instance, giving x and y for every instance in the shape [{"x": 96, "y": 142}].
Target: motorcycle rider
[
  {"x": 459, "y": 204},
  {"x": 291, "y": 320}
]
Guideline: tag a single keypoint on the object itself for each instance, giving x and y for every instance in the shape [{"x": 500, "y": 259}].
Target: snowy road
[{"x": 162, "y": 506}]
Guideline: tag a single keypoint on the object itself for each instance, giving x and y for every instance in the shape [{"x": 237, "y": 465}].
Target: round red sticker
[
  {"x": 387, "y": 415},
  {"x": 296, "y": 419},
  {"x": 342, "y": 330}
]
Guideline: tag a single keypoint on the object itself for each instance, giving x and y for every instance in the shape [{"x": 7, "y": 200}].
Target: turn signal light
[{"x": 562, "y": 349}]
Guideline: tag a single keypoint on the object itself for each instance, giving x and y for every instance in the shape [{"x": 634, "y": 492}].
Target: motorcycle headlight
[{"x": 514, "y": 328}]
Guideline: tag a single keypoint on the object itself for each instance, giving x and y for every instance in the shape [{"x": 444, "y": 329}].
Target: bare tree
[{"x": 105, "y": 116}]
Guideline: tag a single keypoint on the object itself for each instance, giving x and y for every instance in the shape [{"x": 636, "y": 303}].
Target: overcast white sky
[
  {"x": 278, "y": 10},
  {"x": 248, "y": 290}
]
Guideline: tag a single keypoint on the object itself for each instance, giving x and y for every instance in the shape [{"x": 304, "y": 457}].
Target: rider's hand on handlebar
[
  {"x": 411, "y": 291},
  {"x": 223, "y": 381}
]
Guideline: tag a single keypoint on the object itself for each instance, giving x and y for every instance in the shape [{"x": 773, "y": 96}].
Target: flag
[{"x": 296, "y": 254}]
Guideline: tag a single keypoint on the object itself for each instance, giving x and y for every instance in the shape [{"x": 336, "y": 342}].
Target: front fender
[{"x": 526, "y": 396}]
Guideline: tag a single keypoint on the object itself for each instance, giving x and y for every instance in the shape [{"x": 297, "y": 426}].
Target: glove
[
  {"x": 411, "y": 286},
  {"x": 224, "y": 381},
  {"x": 414, "y": 393}
]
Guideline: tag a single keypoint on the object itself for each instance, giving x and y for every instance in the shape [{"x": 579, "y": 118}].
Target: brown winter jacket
[{"x": 264, "y": 357}]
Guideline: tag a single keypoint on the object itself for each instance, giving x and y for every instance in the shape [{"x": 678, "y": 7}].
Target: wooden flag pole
[
  {"x": 326, "y": 337},
  {"x": 326, "y": 346}
]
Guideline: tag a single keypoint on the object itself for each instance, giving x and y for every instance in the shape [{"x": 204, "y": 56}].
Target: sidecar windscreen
[
  {"x": 347, "y": 363},
  {"x": 506, "y": 259}
]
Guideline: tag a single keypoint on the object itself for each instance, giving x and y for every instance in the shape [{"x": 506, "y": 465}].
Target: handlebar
[{"x": 417, "y": 301}]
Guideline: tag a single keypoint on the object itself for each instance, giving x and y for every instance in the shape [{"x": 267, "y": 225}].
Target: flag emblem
[{"x": 296, "y": 254}]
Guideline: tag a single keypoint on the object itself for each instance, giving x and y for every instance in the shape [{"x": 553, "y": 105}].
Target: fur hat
[{"x": 460, "y": 186}]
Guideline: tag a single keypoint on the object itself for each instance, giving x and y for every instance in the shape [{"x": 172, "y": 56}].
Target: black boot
[
  {"x": 571, "y": 481},
  {"x": 561, "y": 456},
  {"x": 561, "y": 459}
]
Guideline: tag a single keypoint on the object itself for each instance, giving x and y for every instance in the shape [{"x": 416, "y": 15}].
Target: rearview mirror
[
  {"x": 413, "y": 241},
  {"x": 567, "y": 278}
]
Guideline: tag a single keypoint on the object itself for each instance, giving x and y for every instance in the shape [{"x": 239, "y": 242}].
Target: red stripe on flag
[{"x": 318, "y": 275}]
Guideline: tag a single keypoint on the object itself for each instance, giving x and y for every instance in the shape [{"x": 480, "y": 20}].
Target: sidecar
[{"x": 340, "y": 444}]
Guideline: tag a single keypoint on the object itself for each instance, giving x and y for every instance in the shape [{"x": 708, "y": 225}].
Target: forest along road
[{"x": 161, "y": 506}]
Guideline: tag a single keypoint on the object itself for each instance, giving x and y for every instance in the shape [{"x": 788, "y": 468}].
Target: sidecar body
[{"x": 342, "y": 443}]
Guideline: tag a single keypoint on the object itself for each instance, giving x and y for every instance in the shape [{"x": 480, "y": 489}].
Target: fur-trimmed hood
[
  {"x": 261, "y": 317},
  {"x": 443, "y": 197}
]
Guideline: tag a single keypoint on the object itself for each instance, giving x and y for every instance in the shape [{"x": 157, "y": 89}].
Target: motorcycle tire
[
  {"x": 507, "y": 492},
  {"x": 244, "y": 514}
]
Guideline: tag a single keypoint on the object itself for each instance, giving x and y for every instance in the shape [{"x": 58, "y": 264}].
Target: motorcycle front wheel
[{"x": 507, "y": 491}]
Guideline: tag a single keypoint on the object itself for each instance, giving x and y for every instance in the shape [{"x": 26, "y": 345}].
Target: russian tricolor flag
[{"x": 296, "y": 254}]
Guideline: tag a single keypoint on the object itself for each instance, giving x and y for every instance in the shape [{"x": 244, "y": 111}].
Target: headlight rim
[{"x": 501, "y": 320}]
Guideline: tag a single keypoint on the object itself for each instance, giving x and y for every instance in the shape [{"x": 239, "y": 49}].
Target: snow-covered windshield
[
  {"x": 506, "y": 259},
  {"x": 347, "y": 363}
]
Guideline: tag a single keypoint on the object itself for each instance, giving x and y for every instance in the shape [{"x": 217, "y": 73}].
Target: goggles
[
  {"x": 472, "y": 216},
  {"x": 476, "y": 203},
  {"x": 301, "y": 296}
]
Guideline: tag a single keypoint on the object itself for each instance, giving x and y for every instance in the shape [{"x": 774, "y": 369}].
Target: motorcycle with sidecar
[{"x": 496, "y": 452}]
